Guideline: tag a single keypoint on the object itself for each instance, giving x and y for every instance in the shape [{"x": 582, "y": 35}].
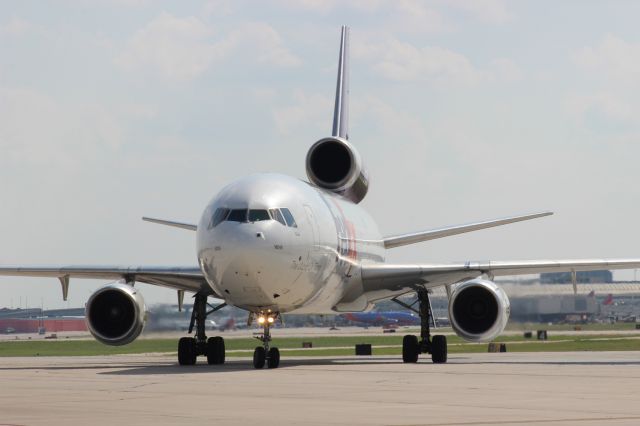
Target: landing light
[
  {"x": 260, "y": 320},
  {"x": 270, "y": 319}
]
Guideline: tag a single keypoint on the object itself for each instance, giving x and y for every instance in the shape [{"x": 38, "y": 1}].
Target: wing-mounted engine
[
  {"x": 478, "y": 310},
  {"x": 334, "y": 164},
  {"x": 115, "y": 314}
]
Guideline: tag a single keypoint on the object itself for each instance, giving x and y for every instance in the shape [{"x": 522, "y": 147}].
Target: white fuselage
[{"x": 268, "y": 265}]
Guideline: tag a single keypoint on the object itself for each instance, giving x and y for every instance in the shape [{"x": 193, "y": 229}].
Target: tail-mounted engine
[
  {"x": 115, "y": 314},
  {"x": 334, "y": 164},
  {"x": 478, "y": 310}
]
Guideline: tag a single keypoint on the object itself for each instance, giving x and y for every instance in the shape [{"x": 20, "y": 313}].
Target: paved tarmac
[{"x": 584, "y": 388}]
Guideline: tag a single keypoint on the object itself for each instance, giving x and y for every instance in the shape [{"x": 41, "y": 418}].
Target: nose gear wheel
[{"x": 265, "y": 353}]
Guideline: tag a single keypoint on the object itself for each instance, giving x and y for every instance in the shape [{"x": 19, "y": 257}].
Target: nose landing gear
[
  {"x": 189, "y": 347},
  {"x": 266, "y": 354}
]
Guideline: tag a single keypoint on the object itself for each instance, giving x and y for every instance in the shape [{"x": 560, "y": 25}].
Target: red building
[{"x": 51, "y": 325}]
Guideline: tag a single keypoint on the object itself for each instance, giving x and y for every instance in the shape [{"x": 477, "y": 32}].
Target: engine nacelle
[
  {"x": 116, "y": 314},
  {"x": 478, "y": 310},
  {"x": 334, "y": 164}
]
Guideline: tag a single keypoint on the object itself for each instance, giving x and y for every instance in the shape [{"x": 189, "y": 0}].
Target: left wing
[
  {"x": 188, "y": 278},
  {"x": 381, "y": 279}
]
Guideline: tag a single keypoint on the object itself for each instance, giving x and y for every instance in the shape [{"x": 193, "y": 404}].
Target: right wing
[
  {"x": 382, "y": 280},
  {"x": 179, "y": 278},
  {"x": 417, "y": 237}
]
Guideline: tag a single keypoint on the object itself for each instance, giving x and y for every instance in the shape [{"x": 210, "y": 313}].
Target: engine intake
[
  {"x": 334, "y": 164},
  {"x": 115, "y": 314},
  {"x": 478, "y": 310}
]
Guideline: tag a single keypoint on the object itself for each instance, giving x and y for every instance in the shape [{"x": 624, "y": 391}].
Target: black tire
[
  {"x": 187, "y": 351},
  {"x": 259, "y": 357},
  {"x": 410, "y": 349},
  {"x": 273, "y": 361},
  {"x": 439, "y": 349},
  {"x": 215, "y": 350}
]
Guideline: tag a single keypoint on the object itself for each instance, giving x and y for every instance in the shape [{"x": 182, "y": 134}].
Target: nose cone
[
  {"x": 248, "y": 259},
  {"x": 250, "y": 247}
]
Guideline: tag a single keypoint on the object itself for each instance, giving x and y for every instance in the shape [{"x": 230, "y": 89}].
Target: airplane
[
  {"x": 390, "y": 318},
  {"x": 273, "y": 244}
]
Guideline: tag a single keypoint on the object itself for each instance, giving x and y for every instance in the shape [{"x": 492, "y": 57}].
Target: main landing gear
[
  {"x": 436, "y": 345},
  {"x": 266, "y": 354},
  {"x": 189, "y": 347}
]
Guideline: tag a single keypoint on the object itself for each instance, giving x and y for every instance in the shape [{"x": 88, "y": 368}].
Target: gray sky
[{"x": 462, "y": 111}]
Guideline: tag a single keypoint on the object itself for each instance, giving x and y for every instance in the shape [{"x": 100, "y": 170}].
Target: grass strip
[{"x": 335, "y": 345}]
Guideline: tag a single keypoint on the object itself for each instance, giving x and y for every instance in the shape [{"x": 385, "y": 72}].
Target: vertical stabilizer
[{"x": 341, "y": 110}]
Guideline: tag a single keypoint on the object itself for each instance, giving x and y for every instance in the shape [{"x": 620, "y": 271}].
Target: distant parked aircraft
[{"x": 383, "y": 318}]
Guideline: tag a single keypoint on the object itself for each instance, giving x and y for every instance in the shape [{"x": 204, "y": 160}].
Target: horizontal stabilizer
[
  {"x": 182, "y": 225},
  {"x": 417, "y": 237}
]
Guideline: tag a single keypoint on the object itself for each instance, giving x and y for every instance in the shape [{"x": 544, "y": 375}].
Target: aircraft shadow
[
  {"x": 163, "y": 368},
  {"x": 244, "y": 365},
  {"x": 241, "y": 365}
]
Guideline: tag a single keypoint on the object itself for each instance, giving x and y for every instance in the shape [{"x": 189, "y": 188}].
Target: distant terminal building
[
  {"x": 583, "y": 277},
  {"x": 35, "y": 320}
]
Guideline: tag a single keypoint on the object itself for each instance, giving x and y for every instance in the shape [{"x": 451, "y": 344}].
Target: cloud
[
  {"x": 401, "y": 61},
  {"x": 183, "y": 48},
  {"x": 609, "y": 106},
  {"x": 15, "y": 27},
  {"x": 62, "y": 135},
  {"x": 304, "y": 111},
  {"x": 504, "y": 69},
  {"x": 487, "y": 11},
  {"x": 411, "y": 16},
  {"x": 316, "y": 6},
  {"x": 608, "y": 115},
  {"x": 176, "y": 48},
  {"x": 612, "y": 57},
  {"x": 416, "y": 17},
  {"x": 267, "y": 43},
  {"x": 218, "y": 8},
  {"x": 406, "y": 62},
  {"x": 389, "y": 121}
]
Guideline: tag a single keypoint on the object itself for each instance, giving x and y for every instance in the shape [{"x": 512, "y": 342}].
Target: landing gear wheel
[
  {"x": 439, "y": 349},
  {"x": 215, "y": 350},
  {"x": 259, "y": 357},
  {"x": 274, "y": 358},
  {"x": 410, "y": 349},
  {"x": 187, "y": 351}
]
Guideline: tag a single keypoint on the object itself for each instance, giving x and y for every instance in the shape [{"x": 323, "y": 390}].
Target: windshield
[
  {"x": 239, "y": 215},
  {"x": 258, "y": 215}
]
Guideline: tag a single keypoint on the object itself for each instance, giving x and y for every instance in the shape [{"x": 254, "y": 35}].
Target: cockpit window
[
  {"x": 219, "y": 215},
  {"x": 275, "y": 213},
  {"x": 258, "y": 215},
  {"x": 282, "y": 215},
  {"x": 238, "y": 215},
  {"x": 289, "y": 218}
]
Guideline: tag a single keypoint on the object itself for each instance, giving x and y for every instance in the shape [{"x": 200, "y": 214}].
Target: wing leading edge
[
  {"x": 396, "y": 278},
  {"x": 179, "y": 278},
  {"x": 182, "y": 225},
  {"x": 417, "y": 237}
]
